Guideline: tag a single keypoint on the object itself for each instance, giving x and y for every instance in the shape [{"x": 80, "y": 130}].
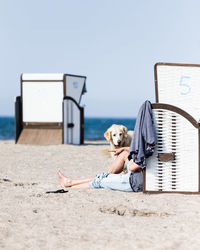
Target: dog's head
[{"x": 116, "y": 135}]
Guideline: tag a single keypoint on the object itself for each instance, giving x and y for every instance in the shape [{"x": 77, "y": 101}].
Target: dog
[{"x": 118, "y": 136}]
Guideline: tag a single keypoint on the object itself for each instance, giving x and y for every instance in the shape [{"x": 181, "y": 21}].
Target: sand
[{"x": 30, "y": 218}]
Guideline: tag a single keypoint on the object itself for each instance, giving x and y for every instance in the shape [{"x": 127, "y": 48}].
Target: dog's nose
[{"x": 118, "y": 141}]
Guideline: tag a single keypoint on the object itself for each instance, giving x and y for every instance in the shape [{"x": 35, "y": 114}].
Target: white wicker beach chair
[{"x": 175, "y": 165}]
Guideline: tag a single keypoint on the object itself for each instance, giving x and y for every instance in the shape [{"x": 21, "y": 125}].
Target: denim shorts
[{"x": 112, "y": 181}]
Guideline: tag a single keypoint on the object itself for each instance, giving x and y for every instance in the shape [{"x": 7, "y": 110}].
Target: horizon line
[{"x": 111, "y": 117}]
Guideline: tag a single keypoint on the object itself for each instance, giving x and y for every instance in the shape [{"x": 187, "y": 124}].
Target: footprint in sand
[
  {"x": 125, "y": 211},
  {"x": 25, "y": 184}
]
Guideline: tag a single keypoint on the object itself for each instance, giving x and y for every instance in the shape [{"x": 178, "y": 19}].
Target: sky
[{"x": 115, "y": 43}]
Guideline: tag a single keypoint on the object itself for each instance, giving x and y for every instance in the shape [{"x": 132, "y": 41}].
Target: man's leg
[
  {"x": 118, "y": 164},
  {"x": 82, "y": 186},
  {"x": 67, "y": 182},
  {"x": 103, "y": 180},
  {"x": 118, "y": 182}
]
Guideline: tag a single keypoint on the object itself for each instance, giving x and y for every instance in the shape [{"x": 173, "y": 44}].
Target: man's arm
[{"x": 119, "y": 150}]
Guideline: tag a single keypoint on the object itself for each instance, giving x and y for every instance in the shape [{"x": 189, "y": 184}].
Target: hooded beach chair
[
  {"x": 39, "y": 111},
  {"x": 175, "y": 164}
]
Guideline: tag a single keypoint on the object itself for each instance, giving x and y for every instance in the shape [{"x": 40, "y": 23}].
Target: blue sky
[{"x": 115, "y": 43}]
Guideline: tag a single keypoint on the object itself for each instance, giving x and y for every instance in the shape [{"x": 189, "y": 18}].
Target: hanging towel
[{"x": 144, "y": 139}]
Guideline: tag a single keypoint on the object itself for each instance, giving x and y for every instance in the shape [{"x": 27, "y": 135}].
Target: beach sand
[{"x": 30, "y": 218}]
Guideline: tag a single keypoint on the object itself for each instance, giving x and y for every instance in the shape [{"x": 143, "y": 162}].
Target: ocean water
[
  {"x": 94, "y": 127},
  {"x": 7, "y": 128}
]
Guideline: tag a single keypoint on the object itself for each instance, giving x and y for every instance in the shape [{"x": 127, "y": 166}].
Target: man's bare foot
[{"x": 63, "y": 181}]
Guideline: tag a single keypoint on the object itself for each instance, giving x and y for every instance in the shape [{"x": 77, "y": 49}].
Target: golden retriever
[{"x": 118, "y": 136}]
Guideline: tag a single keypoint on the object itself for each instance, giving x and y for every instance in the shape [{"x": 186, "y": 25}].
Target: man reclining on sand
[
  {"x": 142, "y": 146},
  {"x": 130, "y": 182}
]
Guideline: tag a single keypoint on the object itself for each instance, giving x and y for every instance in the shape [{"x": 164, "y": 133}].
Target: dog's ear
[
  {"x": 125, "y": 130},
  {"x": 107, "y": 135}
]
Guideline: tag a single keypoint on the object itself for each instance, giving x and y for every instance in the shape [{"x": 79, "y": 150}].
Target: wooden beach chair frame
[{"x": 172, "y": 180}]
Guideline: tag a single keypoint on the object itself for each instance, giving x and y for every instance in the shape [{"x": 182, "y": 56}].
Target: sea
[{"x": 94, "y": 128}]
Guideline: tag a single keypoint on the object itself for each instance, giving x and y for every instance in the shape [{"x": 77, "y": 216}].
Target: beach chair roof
[
  {"x": 42, "y": 95},
  {"x": 179, "y": 85}
]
